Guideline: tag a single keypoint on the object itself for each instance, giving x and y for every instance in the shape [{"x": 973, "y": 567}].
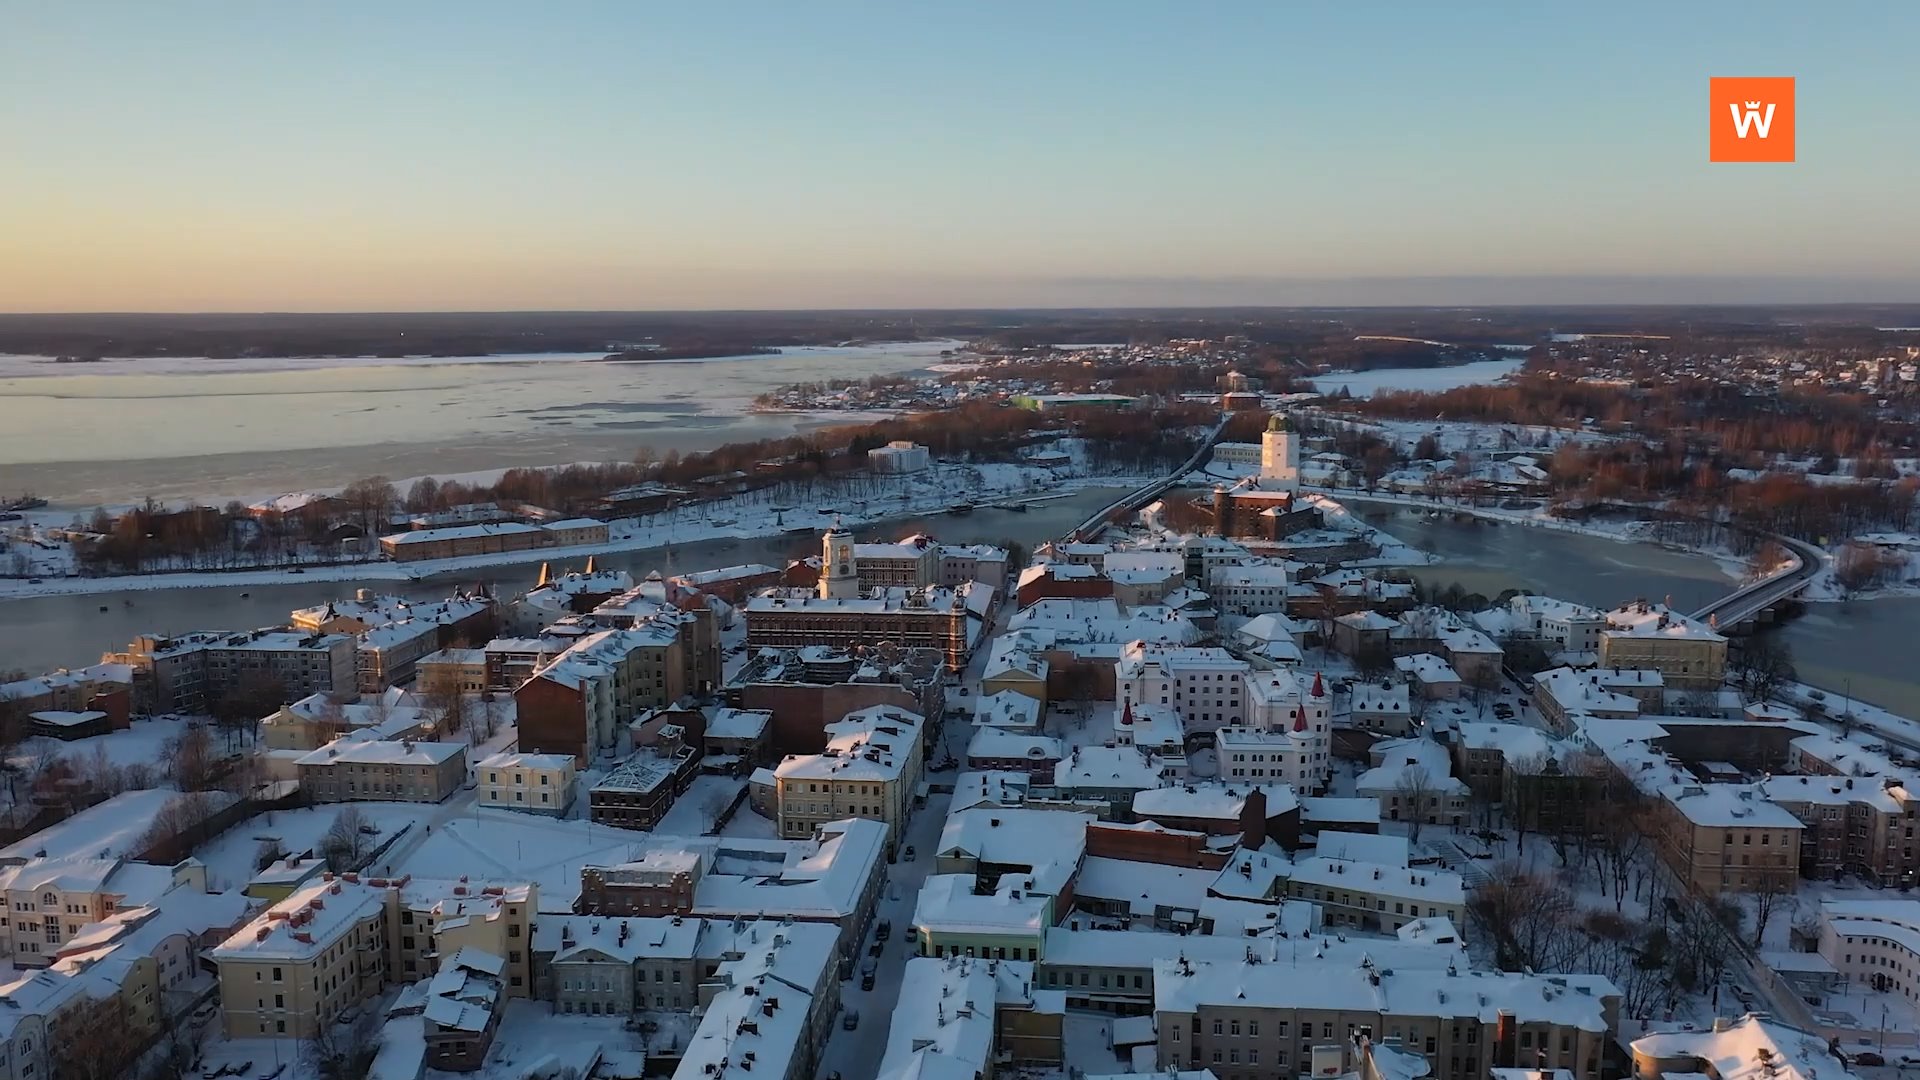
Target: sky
[{"x": 471, "y": 155}]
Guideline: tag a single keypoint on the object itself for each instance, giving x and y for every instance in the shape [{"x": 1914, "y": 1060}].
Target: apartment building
[
  {"x": 603, "y": 965},
  {"x": 340, "y": 941},
  {"x": 869, "y": 769},
  {"x": 533, "y": 783},
  {"x": 1851, "y": 825},
  {"x": 580, "y": 701},
  {"x": 190, "y": 672},
  {"x": 1873, "y": 944},
  {"x": 1728, "y": 837},
  {"x": 444, "y": 671},
  {"x": 834, "y": 877},
  {"x": 106, "y": 688},
  {"x": 304, "y": 961},
  {"x": 1569, "y": 627},
  {"x": 961, "y": 563},
  {"x": 395, "y": 633},
  {"x": 1691, "y": 655},
  {"x": 639, "y": 791},
  {"x": 1250, "y": 590},
  {"x": 318, "y": 719},
  {"x": 730, "y": 583},
  {"x": 1377, "y": 896},
  {"x": 911, "y": 563},
  {"x": 1275, "y": 1021},
  {"x": 1206, "y": 685},
  {"x": 48, "y": 901},
  {"x": 349, "y": 770},
  {"x": 499, "y": 538},
  {"x": 899, "y": 456},
  {"x": 1568, "y": 697},
  {"x": 947, "y": 620}
]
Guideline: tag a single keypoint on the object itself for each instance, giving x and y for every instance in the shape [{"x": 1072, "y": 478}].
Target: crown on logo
[{"x": 1753, "y": 104}]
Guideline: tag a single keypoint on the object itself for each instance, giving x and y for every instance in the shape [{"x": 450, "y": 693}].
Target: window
[{"x": 1218, "y": 1027}]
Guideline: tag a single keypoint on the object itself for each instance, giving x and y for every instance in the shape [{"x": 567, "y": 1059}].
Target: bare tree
[
  {"x": 111, "y": 1044},
  {"x": 343, "y": 1051},
  {"x": 177, "y": 1052},
  {"x": 1621, "y": 846},
  {"x": 347, "y": 841},
  {"x": 189, "y": 759},
  {"x": 1527, "y": 918},
  {"x": 1417, "y": 791},
  {"x": 1764, "y": 662},
  {"x": 1520, "y": 802},
  {"x": 1770, "y": 895}
]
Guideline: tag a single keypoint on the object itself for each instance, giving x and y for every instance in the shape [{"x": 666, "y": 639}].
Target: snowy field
[
  {"x": 695, "y": 811},
  {"x": 500, "y": 845},
  {"x": 1368, "y": 383},
  {"x": 231, "y": 856}
]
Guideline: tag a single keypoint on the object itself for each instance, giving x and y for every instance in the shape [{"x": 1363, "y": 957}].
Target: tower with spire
[
  {"x": 839, "y": 570},
  {"x": 1279, "y": 456}
]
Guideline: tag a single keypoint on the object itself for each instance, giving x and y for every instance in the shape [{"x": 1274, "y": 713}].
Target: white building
[
  {"x": 839, "y": 572},
  {"x": 869, "y": 769},
  {"x": 1205, "y": 685},
  {"x": 1250, "y": 590},
  {"x": 1287, "y": 736},
  {"x": 535, "y": 783},
  {"x": 899, "y": 456},
  {"x": 1574, "y": 627},
  {"x": 1279, "y": 456}
]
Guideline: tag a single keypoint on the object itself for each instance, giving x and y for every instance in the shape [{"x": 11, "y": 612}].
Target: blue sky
[{"x": 221, "y": 156}]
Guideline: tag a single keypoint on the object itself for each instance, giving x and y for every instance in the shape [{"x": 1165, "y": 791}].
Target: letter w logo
[{"x": 1747, "y": 119}]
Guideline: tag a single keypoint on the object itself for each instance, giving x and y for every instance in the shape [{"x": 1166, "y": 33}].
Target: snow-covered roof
[
  {"x": 949, "y": 904},
  {"x": 1426, "y": 667},
  {"x": 1565, "y": 1000},
  {"x": 1216, "y": 800},
  {"x": 1750, "y": 1048},
  {"x": 1105, "y": 768},
  {"x": 350, "y": 751},
  {"x": 460, "y": 532},
  {"x": 304, "y": 925},
  {"x": 1656, "y": 620},
  {"x": 1387, "y": 849},
  {"x": 1728, "y": 806},
  {"x": 729, "y": 723},
  {"x": 514, "y": 759}
]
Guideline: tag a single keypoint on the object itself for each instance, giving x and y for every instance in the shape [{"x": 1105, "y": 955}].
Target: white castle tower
[
  {"x": 839, "y": 573},
  {"x": 1279, "y": 456}
]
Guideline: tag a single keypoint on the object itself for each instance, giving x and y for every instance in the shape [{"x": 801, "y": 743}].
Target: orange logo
[{"x": 1750, "y": 119}]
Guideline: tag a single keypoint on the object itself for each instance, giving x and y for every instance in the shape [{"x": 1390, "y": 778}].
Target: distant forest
[{"x": 705, "y": 333}]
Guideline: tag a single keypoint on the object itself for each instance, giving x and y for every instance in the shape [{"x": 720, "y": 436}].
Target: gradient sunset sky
[{"x": 201, "y": 156}]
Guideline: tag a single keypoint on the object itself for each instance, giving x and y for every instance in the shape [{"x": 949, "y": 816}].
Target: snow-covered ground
[
  {"x": 1368, "y": 383},
  {"x": 697, "y": 808},
  {"x": 855, "y": 500},
  {"x": 232, "y": 856}
]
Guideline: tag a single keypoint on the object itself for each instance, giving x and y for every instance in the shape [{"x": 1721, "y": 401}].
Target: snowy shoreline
[{"x": 628, "y": 535}]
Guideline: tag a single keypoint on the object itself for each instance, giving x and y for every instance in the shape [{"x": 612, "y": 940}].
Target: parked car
[
  {"x": 1906, "y": 1059},
  {"x": 876, "y": 948},
  {"x": 909, "y": 853},
  {"x": 850, "y": 1019},
  {"x": 1868, "y": 1057},
  {"x": 884, "y": 930}
]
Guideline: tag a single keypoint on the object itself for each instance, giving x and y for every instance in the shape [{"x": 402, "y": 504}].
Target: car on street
[
  {"x": 1868, "y": 1057},
  {"x": 908, "y": 854},
  {"x": 884, "y": 930},
  {"x": 850, "y": 1019}
]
